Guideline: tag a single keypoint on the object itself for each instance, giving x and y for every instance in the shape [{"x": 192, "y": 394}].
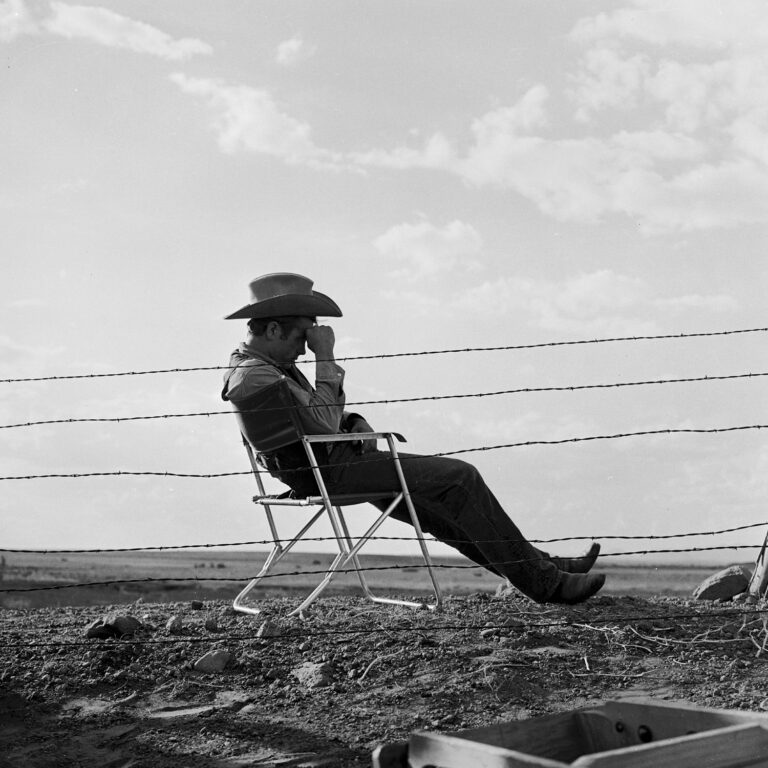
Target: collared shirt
[{"x": 251, "y": 371}]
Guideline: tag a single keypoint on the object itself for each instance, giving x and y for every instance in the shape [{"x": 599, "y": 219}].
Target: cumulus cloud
[
  {"x": 680, "y": 89},
  {"x": 98, "y": 25},
  {"x": 703, "y": 24},
  {"x": 597, "y": 302},
  {"x": 294, "y": 51},
  {"x": 249, "y": 119},
  {"x": 424, "y": 249}
]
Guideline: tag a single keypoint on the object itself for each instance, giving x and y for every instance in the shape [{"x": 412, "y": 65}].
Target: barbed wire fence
[{"x": 497, "y": 393}]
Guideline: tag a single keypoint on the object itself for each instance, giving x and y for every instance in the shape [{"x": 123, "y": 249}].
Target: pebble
[
  {"x": 174, "y": 625},
  {"x": 113, "y": 625},
  {"x": 196, "y": 605},
  {"x": 313, "y": 675},
  {"x": 211, "y": 624}
]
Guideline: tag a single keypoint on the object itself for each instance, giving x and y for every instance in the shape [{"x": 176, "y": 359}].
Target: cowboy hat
[{"x": 282, "y": 294}]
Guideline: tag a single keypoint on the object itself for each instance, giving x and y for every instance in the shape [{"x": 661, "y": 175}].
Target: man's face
[{"x": 291, "y": 343}]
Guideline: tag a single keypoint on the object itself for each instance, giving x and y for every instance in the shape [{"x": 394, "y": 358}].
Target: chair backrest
[{"x": 268, "y": 419}]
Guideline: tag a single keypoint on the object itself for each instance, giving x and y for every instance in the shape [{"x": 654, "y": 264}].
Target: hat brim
[{"x": 315, "y": 305}]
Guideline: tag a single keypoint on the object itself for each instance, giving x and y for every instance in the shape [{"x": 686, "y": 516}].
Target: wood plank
[
  {"x": 438, "y": 749},
  {"x": 733, "y": 747},
  {"x": 557, "y": 737},
  {"x": 664, "y": 721}
]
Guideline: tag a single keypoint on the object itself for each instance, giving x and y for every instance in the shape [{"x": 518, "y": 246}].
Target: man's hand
[
  {"x": 361, "y": 425},
  {"x": 320, "y": 340}
]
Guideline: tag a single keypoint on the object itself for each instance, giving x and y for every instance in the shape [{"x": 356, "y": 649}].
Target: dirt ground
[{"x": 371, "y": 675}]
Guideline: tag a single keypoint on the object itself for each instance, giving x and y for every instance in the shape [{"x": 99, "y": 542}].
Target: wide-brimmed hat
[{"x": 284, "y": 294}]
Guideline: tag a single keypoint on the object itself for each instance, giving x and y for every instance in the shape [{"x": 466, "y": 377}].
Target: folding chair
[{"x": 268, "y": 421}]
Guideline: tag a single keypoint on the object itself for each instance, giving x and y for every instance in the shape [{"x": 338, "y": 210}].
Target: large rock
[
  {"x": 98, "y": 629},
  {"x": 724, "y": 584},
  {"x": 124, "y": 624}
]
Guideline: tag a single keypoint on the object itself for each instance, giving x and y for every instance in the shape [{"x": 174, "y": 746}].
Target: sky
[{"x": 455, "y": 177}]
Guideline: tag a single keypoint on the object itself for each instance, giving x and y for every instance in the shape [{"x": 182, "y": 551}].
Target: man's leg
[{"x": 451, "y": 498}]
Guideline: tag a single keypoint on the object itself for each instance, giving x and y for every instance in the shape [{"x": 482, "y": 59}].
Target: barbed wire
[
  {"x": 421, "y": 398},
  {"x": 303, "y": 633},
  {"x": 403, "y": 354},
  {"x": 387, "y": 457},
  {"x": 439, "y": 566},
  {"x": 314, "y": 539}
]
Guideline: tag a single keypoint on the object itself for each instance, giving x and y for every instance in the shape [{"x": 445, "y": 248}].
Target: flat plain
[{"x": 50, "y": 579}]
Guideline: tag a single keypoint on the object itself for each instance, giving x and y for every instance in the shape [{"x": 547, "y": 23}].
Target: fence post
[{"x": 759, "y": 581}]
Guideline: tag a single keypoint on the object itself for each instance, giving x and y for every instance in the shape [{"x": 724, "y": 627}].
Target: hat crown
[
  {"x": 280, "y": 284},
  {"x": 281, "y": 294}
]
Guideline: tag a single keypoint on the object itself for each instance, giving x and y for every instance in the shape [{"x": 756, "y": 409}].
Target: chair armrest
[{"x": 346, "y": 436}]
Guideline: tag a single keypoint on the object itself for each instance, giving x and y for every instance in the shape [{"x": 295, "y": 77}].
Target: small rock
[
  {"x": 268, "y": 629},
  {"x": 505, "y": 589},
  {"x": 213, "y": 661},
  {"x": 234, "y": 700},
  {"x": 313, "y": 675},
  {"x": 211, "y": 624},
  {"x": 146, "y": 620},
  {"x": 174, "y": 625},
  {"x": 724, "y": 584},
  {"x": 196, "y": 605}
]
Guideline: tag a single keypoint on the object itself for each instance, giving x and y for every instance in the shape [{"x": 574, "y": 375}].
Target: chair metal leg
[
  {"x": 274, "y": 557},
  {"x": 359, "y": 569},
  {"x": 416, "y": 524},
  {"x": 348, "y": 555}
]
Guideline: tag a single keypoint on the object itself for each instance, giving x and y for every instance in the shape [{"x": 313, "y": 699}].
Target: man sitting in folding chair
[{"x": 451, "y": 499}]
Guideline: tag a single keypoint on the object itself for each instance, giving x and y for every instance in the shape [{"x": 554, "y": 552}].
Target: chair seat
[{"x": 290, "y": 499}]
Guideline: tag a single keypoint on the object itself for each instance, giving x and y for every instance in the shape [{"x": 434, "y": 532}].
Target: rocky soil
[{"x": 326, "y": 690}]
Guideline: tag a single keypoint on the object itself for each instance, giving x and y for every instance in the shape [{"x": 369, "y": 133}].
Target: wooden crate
[{"x": 612, "y": 735}]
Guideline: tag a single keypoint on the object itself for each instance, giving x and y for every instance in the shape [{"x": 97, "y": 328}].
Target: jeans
[{"x": 453, "y": 504}]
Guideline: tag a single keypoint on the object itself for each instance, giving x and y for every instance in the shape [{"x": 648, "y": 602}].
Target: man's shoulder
[{"x": 248, "y": 373}]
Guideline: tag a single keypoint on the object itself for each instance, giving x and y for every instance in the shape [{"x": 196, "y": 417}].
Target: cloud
[
  {"x": 425, "y": 249},
  {"x": 98, "y": 25},
  {"x": 294, "y": 51},
  {"x": 597, "y": 302},
  {"x": 704, "y": 24},
  {"x": 115, "y": 31},
  {"x": 249, "y": 119},
  {"x": 681, "y": 90},
  {"x": 15, "y": 20}
]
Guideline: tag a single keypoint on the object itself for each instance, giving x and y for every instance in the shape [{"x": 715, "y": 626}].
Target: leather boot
[
  {"x": 581, "y": 564},
  {"x": 577, "y": 587}
]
